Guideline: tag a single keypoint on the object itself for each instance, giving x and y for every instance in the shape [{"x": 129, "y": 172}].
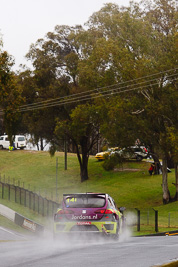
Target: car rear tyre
[
  {"x": 1, "y": 147},
  {"x": 116, "y": 235}
]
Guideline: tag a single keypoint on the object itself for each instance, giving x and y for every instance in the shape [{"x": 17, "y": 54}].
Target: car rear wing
[{"x": 83, "y": 195}]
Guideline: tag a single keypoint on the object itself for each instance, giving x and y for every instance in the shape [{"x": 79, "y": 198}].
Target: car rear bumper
[
  {"x": 108, "y": 227},
  {"x": 99, "y": 157}
]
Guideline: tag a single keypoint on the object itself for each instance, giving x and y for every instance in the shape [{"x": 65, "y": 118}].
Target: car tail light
[
  {"x": 65, "y": 212},
  {"x": 108, "y": 212},
  {"x": 102, "y": 211}
]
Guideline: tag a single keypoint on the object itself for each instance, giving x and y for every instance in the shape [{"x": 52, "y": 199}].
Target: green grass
[
  {"x": 10, "y": 225},
  {"x": 130, "y": 185}
]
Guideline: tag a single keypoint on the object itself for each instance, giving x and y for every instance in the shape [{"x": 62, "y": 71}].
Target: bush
[{"x": 111, "y": 162}]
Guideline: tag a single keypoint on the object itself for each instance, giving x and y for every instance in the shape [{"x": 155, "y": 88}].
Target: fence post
[
  {"x": 148, "y": 217},
  {"x": 15, "y": 193},
  {"x": 2, "y": 190},
  {"x": 156, "y": 220},
  {"x": 42, "y": 206},
  {"x": 56, "y": 175},
  {"x": 47, "y": 207},
  {"x": 29, "y": 200},
  {"x": 20, "y": 195},
  {"x": 169, "y": 219},
  {"x": 38, "y": 205},
  {"x": 9, "y": 192},
  {"x": 138, "y": 220},
  {"x": 65, "y": 152},
  {"x": 52, "y": 208},
  {"x": 25, "y": 198}
]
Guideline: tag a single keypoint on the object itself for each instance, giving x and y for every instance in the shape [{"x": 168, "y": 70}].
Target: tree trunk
[
  {"x": 37, "y": 146},
  {"x": 84, "y": 168},
  {"x": 41, "y": 144},
  {"x": 83, "y": 161},
  {"x": 170, "y": 162},
  {"x": 166, "y": 193}
]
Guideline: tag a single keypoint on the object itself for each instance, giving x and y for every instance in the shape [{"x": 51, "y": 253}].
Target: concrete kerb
[
  {"x": 173, "y": 263},
  {"x": 170, "y": 233}
]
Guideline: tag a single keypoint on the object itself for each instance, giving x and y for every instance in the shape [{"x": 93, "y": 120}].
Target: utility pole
[
  {"x": 56, "y": 175},
  {"x": 65, "y": 153}
]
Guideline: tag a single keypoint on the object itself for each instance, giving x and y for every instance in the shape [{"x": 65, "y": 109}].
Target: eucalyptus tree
[
  {"x": 54, "y": 79},
  {"x": 10, "y": 95},
  {"x": 142, "y": 42},
  {"x": 162, "y": 107},
  {"x": 83, "y": 129}
]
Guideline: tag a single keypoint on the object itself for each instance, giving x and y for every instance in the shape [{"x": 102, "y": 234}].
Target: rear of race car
[{"x": 87, "y": 213}]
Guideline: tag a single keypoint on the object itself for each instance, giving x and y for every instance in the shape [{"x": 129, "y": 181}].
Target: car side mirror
[{"x": 121, "y": 209}]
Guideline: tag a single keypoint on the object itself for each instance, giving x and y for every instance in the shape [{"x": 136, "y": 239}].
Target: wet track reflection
[{"x": 75, "y": 251}]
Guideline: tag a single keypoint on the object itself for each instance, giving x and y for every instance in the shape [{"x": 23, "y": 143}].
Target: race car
[{"x": 88, "y": 213}]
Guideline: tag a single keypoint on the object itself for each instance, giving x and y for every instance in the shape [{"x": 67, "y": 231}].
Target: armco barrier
[
  {"x": 28, "y": 224},
  {"x": 21, "y": 220}
]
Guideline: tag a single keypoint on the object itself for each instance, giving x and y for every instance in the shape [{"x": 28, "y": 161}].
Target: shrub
[{"x": 111, "y": 162}]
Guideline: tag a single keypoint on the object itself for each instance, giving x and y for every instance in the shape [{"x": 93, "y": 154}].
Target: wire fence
[
  {"x": 152, "y": 220},
  {"x": 27, "y": 198},
  {"x": 142, "y": 220}
]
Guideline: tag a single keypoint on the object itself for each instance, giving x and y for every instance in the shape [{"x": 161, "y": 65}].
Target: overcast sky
[{"x": 22, "y": 22}]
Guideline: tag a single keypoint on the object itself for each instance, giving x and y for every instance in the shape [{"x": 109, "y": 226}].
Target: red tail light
[
  {"x": 100, "y": 211},
  {"x": 65, "y": 212},
  {"x": 108, "y": 212},
  {"x": 103, "y": 211}
]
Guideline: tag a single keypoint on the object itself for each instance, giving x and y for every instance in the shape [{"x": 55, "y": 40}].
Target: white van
[{"x": 19, "y": 142}]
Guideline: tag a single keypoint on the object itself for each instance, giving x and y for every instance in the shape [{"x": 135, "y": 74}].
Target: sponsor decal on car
[
  {"x": 83, "y": 223},
  {"x": 83, "y": 217}
]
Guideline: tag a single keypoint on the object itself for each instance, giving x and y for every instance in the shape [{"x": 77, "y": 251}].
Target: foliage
[
  {"x": 148, "y": 113},
  {"x": 112, "y": 161},
  {"x": 83, "y": 129},
  {"x": 10, "y": 95}
]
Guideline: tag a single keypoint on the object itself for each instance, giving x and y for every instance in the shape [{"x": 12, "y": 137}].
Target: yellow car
[{"x": 102, "y": 155}]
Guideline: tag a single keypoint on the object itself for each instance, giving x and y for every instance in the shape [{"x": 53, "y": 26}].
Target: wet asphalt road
[{"x": 19, "y": 251}]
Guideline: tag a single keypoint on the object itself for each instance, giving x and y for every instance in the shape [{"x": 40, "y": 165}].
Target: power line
[
  {"x": 101, "y": 88},
  {"x": 87, "y": 97},
  {"x": 84, "y": 97}
]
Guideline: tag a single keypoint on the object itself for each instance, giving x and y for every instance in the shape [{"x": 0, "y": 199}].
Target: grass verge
[{"x": 130, "y": 185}]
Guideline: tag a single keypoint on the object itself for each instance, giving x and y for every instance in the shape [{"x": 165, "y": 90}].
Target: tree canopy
[{"x": 10, "y": 95}]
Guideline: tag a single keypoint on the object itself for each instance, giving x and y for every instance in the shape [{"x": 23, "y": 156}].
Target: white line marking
[{"x": 5, "y": 230}]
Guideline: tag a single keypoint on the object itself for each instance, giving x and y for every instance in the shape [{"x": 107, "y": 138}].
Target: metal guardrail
[
  {"x": 21, "y": 220},
  {"x": 151, "y": 220}
]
